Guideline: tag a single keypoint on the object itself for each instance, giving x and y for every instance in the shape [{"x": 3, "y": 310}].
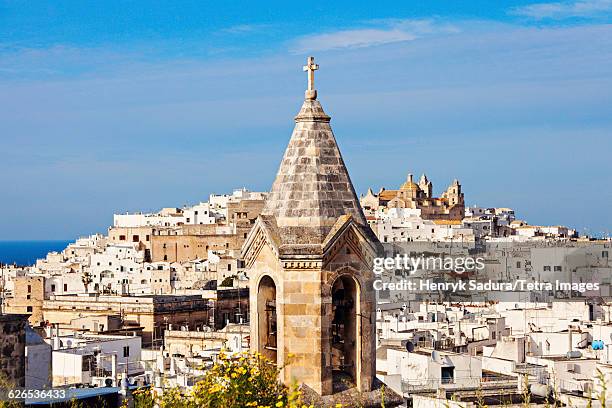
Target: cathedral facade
[
  {"x": 309, "y": 261},
  {"x": 450, "y": 206}
]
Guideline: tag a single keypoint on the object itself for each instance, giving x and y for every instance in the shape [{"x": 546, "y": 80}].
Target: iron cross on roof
[{"x": 311, "y": 67}]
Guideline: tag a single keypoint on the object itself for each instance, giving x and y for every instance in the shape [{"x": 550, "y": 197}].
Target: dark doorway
[
  {"x": 344, "y": 332},
  {"x": 267, "y": 324}
]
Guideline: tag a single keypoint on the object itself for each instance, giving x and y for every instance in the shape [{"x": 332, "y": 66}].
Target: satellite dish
[{"x": 410, "y": 346}]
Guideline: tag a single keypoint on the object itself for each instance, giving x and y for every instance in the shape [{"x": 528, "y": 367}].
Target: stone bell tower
[{"x": 308, "y": 258}]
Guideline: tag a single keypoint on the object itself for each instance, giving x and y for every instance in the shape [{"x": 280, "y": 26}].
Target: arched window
[
  {"x": 344, "y": 329},
  {"x": 266, "y": 314}
]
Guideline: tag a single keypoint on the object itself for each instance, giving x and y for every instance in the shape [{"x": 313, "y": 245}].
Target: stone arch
[
  {"x": 267, "y": 317},
  {"x": 346, "y": 296}
]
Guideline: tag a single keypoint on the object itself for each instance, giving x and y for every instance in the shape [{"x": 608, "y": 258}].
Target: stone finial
[{"x": 310, "y": 67}]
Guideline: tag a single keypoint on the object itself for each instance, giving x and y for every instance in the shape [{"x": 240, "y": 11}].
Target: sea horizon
[{"x": 26, "y": 252}]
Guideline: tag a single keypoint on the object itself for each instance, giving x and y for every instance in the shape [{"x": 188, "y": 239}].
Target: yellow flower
[
  {"x": 279, "y": 404},
  {"x": 338, "y": 405},
  {"x": 215, "y": 388}
]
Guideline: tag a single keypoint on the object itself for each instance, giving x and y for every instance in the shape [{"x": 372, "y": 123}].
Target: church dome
[{"x": 409, "y": 184}]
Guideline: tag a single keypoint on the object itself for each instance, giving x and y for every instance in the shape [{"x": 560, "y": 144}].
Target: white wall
[{"x": 38, "y": 366}]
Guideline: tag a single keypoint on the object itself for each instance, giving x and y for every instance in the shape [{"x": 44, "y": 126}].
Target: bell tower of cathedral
[{"x": 308, "y": 258}]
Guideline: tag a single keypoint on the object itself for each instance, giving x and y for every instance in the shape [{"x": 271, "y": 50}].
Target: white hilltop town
[{"x": 156, "y": 299}]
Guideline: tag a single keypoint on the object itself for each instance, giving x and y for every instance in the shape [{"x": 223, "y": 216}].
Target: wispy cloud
[
  {"x": 244, "y": 28},
  {"x": 375, "y": 32},
  {"x": 563, "y": 10},
  {"x": 351, "y": 39}
]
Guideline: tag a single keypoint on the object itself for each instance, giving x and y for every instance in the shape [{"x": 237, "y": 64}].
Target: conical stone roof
[{"x": 312, "y": 189}]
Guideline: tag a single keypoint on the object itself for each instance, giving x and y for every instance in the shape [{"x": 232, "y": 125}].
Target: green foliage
[
  {"x": 7, "y": 385},
  {"x": 480, "y": 401},
  {"x": 526, "y": 393},
  {"x": 604, "y": 388},
  {"x": 249, "y": 380}
]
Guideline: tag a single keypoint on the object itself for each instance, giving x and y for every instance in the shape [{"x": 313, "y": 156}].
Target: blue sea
[{"x": 27, "y": 252}]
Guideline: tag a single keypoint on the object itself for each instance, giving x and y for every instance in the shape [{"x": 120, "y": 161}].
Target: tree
[
  {"x": 228, "y": 281},
  {"x": 86, "y": 279}
]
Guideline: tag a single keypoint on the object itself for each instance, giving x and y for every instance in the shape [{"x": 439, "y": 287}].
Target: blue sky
[{"x": 124, "y": 106}]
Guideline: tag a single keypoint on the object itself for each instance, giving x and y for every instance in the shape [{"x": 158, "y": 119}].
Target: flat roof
[{"x": 74, "y": 393}]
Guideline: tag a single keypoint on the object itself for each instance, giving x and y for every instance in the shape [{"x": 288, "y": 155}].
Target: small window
[
  {"x": 136, "y": 238},
  {"x": 126, "y": 351},
  {"x": 29, "y": 309},
  {"x": 165, "y": 257},
  {"x": 518, "y": 264},
  {"x": 604, "y": 254},
  {"x": 121, "y": 237},
  {"x": 52, "y": 288},
  {"x": 546, "y": 268},
  {"x": 29, "y": 288},
  {"x": 558, "y": 268}
]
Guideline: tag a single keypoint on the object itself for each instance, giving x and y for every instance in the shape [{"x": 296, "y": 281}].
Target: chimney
[
  {"x": 55, "y": 336},
  {"x": 114, "y": 367}
]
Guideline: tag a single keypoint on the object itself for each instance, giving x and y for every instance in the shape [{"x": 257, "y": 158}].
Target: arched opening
[
  {"x": 345, "y": 308},
  {"x": 266, "y": 312}
]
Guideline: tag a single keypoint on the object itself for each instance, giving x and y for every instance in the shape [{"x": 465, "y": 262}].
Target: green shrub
[{"x": 247, "y": 380}]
